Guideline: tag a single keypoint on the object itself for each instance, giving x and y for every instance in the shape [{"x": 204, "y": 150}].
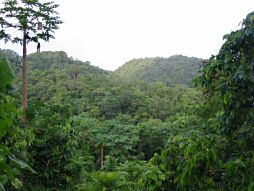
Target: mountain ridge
[
  {"x": 173, "y": 70},
  {"x": 176, "y": 69}
]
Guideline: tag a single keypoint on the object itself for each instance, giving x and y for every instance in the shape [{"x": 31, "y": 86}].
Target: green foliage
[
  {"x": 152, "y": 178},
  {"x": 89, "y": 130},
  {"x": 216, "y": 153},
  {"x": 230, "y": 73},
  {"x": 84, "y": 108},
  {"x": 174, "y": 70},
  {"x": 152, "y": 136},
  {"x": 10, "y": 166},
  {"x": 6, "y": 76},
  {"x": 130, "y": 176},
  {"x": 47, "y": 60},
  {"x": 53, "y": 146},
  {"x": 189, "y": 161},
  {"x": 25, "y": 15},
  {"x": 118, "y": 139},
  {"x": 13, "y": 58},
  {"x": 104, "y": 181}
]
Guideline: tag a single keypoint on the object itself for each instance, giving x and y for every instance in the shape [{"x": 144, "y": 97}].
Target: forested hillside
[
  {"x": 74, "y": 104},
  {"x": 88, "y": 129},
  {"x": 174, "y": 70}
]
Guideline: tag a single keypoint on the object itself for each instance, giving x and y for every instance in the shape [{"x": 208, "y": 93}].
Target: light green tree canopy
[{"x": 38, "y": 19}]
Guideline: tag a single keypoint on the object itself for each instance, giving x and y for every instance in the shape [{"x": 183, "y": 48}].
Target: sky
[{"x": 109, "y": 33}]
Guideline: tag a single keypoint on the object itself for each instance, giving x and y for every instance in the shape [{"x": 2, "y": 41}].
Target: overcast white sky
[{"x": 111, "y": 32}]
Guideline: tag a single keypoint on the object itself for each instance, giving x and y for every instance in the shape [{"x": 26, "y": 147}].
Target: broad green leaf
[
  {"x": 17, "y": 183},
  {"x": 6, "y": 74},
  {"x": 21, "y": 164},
  {"x": 2, "y": 187},
  {"x": 3, "y": 179}
]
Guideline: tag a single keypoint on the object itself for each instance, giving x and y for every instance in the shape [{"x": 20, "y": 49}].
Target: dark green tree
[
  {"x": 10, "y": 166},
  {"x": 33, "y": 20},
  {"x": 230, "y": 76}
]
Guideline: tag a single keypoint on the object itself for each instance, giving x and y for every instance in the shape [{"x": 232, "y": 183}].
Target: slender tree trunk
[
  {"x": 102, "y": 155},
  {"x": 24, "y": 80}
]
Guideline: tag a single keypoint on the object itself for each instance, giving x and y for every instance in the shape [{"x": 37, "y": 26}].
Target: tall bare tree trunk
[
  {"x": 24, "y": 81},
  {"x": 102, "y": 155}
]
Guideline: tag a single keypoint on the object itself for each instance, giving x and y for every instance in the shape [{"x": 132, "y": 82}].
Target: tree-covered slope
[
  {"x": 59, "y": 60},
  {"x": 176, "y": 69},
  {"x": 47, "y": 60}
]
